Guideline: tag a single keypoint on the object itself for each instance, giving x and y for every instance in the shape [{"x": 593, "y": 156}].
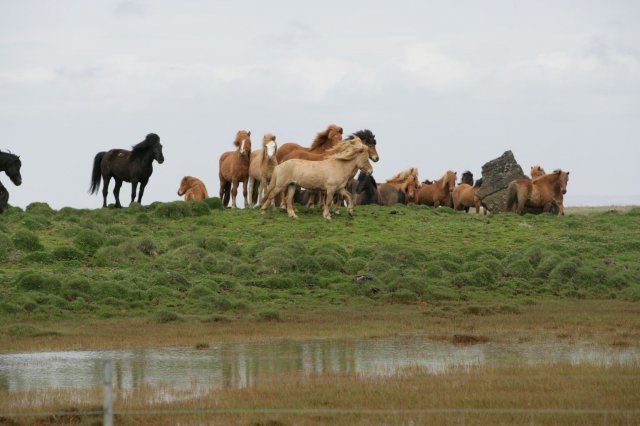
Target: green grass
[{"x": 170, "y": 261}]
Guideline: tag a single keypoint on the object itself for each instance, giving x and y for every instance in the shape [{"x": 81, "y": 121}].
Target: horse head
[
  {"x": 243, "y": 142},
  {"x": 467, "y": 177},
  {"x": 413, "y": 184},
  {"x": 13, "y": 171},
  {"x": 563, "y": 179},
  {"x": 537, "y": 171},
  {"x": 269, "y": 146},
  {"x": 157, "y": 152},
  {"x": 369, "y": 139},
  {"x": 449, "y": 181},
  {"x": 334, "y": 133}
]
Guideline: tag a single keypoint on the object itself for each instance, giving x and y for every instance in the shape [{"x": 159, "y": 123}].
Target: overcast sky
[{"x": 442, "y": 84}]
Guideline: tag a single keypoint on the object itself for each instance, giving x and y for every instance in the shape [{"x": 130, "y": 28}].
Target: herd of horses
[{"x": 325, "y": 171}]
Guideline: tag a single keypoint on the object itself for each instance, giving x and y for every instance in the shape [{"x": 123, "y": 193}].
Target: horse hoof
[{"x": 350, "y": 214}]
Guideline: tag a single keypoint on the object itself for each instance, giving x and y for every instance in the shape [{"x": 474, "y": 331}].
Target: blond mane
[
  {"x": 449, "y": 177},
  {"x": 329, "y": 134},
  {"x": 347, "y": 150},
  {"x": 404, "y": 176},
  {"x": 269, "y": 137}
]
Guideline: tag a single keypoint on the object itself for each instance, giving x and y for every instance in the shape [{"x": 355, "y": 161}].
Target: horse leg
[
  {"x": 244, "y": 193},
  {"x": 346, "y": 194},
  {"x": 134, "y": 187},
  {"x": 250, "y": 184},
  {"x": 291, "y": 190},
  {"x": 325, "y": 211},
  {"x": 105, "y": 189},
  {"x": 116, "y": 192},
  {"x": 143, "y": 185},
  {"x": 234, "y": 193}
]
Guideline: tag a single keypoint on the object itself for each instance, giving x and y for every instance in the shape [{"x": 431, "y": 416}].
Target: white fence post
[{"x": 108, "y": 399}]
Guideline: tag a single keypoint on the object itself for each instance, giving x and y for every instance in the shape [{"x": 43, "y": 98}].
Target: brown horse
[
  {"x": 331, "y": 175},
  {"x": 464, "y": 196},
  {"x": 408, "y": 182},
  {"x": 193, "y": 189},
  {"x": 263, "y": 161},
  {"x": 438, "y": 193},
  {"x": 540, "y": 192},
  {"x": 537, "y": 171},
  {"x": 234, "y": 168},
  {"x": 323, "y": 141}
]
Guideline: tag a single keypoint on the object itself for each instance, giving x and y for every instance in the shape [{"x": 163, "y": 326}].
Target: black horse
[
  {"x": 129, "y": 166},
  {"x": 10, "y": 164},
  {"x": 369, "y": 139},
  {"x": 4, "y": 198},
  {"x": 369, "y": 192}
]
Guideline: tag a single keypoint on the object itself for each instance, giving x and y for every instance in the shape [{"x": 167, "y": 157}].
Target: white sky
[{"x": 443, "y": 85}]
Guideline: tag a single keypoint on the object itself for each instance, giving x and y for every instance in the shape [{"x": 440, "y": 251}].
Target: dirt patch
[{"x": 467, "y": 339}]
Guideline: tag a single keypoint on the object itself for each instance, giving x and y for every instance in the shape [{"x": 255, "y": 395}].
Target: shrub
[
  {"x": 214, "y": 203},
  {"x": 35, "y": 281},
  {"x": 518, "y": 268},
  {"x": 546, "y": 265},
  {"x": 449, "y": 266},
  {"x": 434, "y": 271},
  {"x": 76, "y": 287},
  {"x": 40, "y": 208},
  {"x": 329, "y": 262},
  {"x": 6, "y": 247},
  {"x": 199, "y": 208},
  {"x": 212, "y": 244},
  {"x": 27, "y": 241},
  {"x": 277, "y": 260},
  {"x": 89, "y": 240},
  {"x": 463, "y": 279},
  {"x": 147, "y": 246},
  {"x": 353, "y": 265},
  {"x": 41, "y": 257},
  {"x": 403, "y": 295},
  {"x": 269, "y": 315},
  {"x": 117, "y": 230},
  {"x": 564, "y": 271},
  {"x": 67, "y": 253},
  {"x": 122, "y": 255},
  {"x": 165, "y": 316},
  {"x": 173, "y": 210},
  {"x": 35, "y": 223}
]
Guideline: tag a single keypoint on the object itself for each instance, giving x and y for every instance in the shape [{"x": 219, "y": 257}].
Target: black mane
[
  {"x": 148, "y": 142},
  {"x": 366, "y": 135}
]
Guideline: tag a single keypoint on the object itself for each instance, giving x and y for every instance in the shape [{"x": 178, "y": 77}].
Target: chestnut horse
[
  {"x": 133, "y": 166},
  {"x": 331, "y": 175},
  {"x": 234, "y": 168},
  {"x": 408, "y": 182},
  {"x": 539, "y": 192},
  {"x": 193, "y": 189},
  {"x": 323, "y": 141},
  {"x": 438, "y": 193},
  {"x": 537, "y": 171},
  {"x": 464, "y": 196},
  {"x": 263, "y": 161}
]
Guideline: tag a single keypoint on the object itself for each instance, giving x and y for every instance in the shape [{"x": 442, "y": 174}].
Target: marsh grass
[{"x": 512, "y": 394}]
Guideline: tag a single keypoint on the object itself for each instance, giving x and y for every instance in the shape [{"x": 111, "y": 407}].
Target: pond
[{"x": 244, "y": 364}]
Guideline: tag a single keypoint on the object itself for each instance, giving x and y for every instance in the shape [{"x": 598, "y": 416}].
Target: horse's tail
[
  {"x": 96, "y": 173},
  {"x": 512, "y": 195}
]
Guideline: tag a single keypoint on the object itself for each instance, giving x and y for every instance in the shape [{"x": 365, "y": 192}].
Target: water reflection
[{"x": 244, "y": 364}]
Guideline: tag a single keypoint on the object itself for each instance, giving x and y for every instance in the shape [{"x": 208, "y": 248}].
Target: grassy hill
[{"x": 172, "y": 260}]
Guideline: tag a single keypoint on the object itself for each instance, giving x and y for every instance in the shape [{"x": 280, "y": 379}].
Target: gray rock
[{"x": 496, "y": 176}]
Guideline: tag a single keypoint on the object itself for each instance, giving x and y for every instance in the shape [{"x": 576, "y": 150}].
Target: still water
[{"x": 244, "y": 364}]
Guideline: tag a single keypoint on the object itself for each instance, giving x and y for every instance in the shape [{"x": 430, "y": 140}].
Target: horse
[
  {"x": 369, "y": 139},
  {"x": 539, "y": 192},
  {"x": 133, "y": 166},
  {"x": 263, "y": 161},
  {"x": 369, "y": 192},
  {"x": 10, "y": 164},
  {"x": 323, "y": 141},
  {"x": 193, "y": 189},
  {"x": 439, "y": 192},
  {"x": 4, "y": 198},
  {"x": 330, "y": 175},
  {"x": 464, "y": 196},
  {"x": 234, "y": 168},
  {"x": 537, "y": 171},
  {"x": 467, "y": 177},
  {"x": 408, "y": 182}
]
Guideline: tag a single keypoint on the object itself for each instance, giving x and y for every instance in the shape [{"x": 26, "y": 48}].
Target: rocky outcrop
[{"x": 496, "y": 176}]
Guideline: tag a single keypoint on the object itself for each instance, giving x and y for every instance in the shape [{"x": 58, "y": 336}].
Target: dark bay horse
[
  {"x": 368, "y": 191},
  {"x": 10, "y": 164},
  {"x": 540, "y": 192},
  {"x": 133, "y": 166}
]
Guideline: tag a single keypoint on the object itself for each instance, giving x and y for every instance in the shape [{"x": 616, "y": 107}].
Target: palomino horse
[
  {"x": 464, "y": 196},
  {"x": 129, "y": 166},
  {"x": 408, "y": 182},
  {"x": 537, "y": 171},
  {"x": 539, "y": 192},
  {"x": 193, "y": 189},
  {"x": 234, "y": 168},
  {"x": 263, "y": 161},
  {"x": 330, "y": 175},
  {"x": 438, "y": 193}
]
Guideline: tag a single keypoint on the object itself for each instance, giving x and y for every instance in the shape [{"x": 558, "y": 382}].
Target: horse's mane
[
  {"x": 269, "y": 137},
  {"x": 242, "y": 134},
  {"x": 147, "y": 143},
  {"x": 325, "y": 136},
  {"x": 447, "y": 177},
  {"x": 347, "y": 150},
  {"x": 366, "y": 135},
  {"x": 404, "y": 175}
]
